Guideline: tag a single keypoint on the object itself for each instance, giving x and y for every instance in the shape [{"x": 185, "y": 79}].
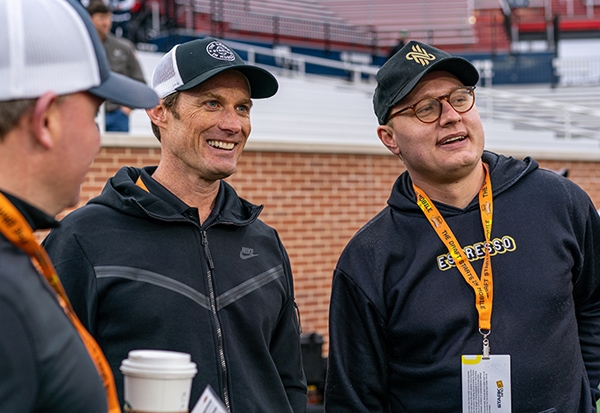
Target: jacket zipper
[
  {"x": 219, "y": 330},
  {"x": 212, "y": 300}
]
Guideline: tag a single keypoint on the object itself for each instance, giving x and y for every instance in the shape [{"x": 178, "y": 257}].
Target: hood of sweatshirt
[
  {"x": 121, "y": 193},
  {"x": 504, "y": 173}
]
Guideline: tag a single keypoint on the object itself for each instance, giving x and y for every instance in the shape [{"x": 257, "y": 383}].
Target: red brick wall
[{"x": 315, "y": 201}]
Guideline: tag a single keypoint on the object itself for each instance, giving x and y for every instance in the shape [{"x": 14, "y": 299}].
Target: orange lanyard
[
  {"x": 483, "y": 286},
  {"x": 141, "y": 184},
  {"x": 16, "y": 229}
]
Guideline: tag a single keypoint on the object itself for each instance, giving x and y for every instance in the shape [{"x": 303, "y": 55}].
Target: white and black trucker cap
[
  {"x": 188, "y": 64},
  {"x": 52, "y": 45}
]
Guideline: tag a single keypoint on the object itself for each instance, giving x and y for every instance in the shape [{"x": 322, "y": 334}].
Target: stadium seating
[
  {"x": 373, "y": 26},
  {"x": 440, "y": 22}
]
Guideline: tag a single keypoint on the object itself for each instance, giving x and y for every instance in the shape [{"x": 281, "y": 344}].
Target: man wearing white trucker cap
[
  {"x": 170, "y": 257},
  {"x": 54, "y": 77},
  {"x": 433, "y": 308}
]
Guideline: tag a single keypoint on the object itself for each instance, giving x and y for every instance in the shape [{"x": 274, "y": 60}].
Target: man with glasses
[{"x": 477, "y": 288}]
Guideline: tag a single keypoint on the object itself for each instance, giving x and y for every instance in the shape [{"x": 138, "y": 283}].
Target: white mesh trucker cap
[
  {"x": 51, "y": 45},
  {"x": 188, "y": 64}
]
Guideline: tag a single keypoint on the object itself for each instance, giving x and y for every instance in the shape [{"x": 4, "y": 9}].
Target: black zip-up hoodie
[
  {"x": 142, "y": 272},
  {"x": 402, "y": 315}
]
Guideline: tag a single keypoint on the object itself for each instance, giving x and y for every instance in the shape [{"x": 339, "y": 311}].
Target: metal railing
[
  {"x": 578, "y": 71},
  {"x": 566, "y": 119},
  {"x": 229, "y": 17},
  {"x": 296, "y": 63}
]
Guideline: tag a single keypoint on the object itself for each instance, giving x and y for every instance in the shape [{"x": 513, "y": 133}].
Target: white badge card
[
  {"x": 486, "y": 384},
  {"x": 209, "y": 402}
]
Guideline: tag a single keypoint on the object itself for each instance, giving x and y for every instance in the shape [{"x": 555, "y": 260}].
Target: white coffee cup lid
[{"x": 149, "y": 363}]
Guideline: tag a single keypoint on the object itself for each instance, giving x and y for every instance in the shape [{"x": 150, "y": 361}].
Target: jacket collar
[{"x": 122, "y": 193}]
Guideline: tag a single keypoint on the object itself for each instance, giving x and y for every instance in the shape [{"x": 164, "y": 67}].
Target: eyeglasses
[{"x": 429, "y": 110}]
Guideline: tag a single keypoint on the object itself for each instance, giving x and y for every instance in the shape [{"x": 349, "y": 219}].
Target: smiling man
[
  {"x": 433, "y": 308},
  {"x": 169, "y": 257}
]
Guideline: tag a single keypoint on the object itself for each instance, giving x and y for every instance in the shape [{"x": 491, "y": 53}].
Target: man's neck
[
  {"x": 198, "y": 194},
  {"x": 459, "y": 193},
  {"x": 102, "y": 35}
]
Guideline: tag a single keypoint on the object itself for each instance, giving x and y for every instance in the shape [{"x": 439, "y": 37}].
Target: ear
[
  {"x": 158, "y": 115},
  {"x": 44, "y": 114},
  {"x": 386, "y": 136}
]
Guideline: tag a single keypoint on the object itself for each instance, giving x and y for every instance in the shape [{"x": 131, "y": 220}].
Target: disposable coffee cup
[{"x": 157, "y": 381}]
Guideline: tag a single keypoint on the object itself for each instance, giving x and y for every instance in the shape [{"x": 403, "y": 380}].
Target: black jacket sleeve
[
  {"x": 357, "y": 373},
  {"x": 586, "y": 294},
  {"x": 286, "y": 347}
]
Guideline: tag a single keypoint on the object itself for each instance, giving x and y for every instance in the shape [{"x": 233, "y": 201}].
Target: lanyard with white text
[
  {"x": 16, "y": 229},
  {"x": 483, "y": 286}
]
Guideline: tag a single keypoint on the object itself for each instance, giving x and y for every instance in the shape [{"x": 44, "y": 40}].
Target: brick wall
[{"x": 315, "y": 201}]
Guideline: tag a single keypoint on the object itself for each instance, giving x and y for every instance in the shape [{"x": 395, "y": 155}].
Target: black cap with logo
[
  {"x": 188, "y": 64},
  {"x": 401, "y": 73}
]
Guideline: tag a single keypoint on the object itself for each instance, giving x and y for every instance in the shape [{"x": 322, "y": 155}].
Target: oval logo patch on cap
[{"x": 219, "y": 51}]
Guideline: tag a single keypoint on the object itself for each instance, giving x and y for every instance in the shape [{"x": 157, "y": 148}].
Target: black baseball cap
[
  {"x": 188, "y": 64},
  {"x": 401, "y": 73}
]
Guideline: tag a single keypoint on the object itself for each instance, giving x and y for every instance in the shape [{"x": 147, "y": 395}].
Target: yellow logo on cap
[{"x": 419, "y": 55}]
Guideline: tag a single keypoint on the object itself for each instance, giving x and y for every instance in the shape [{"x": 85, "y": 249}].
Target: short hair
[
  {"x": 170, "y": 103},
  {"x": 11, "y": 112},
  {"x": 98, "y": 7}
]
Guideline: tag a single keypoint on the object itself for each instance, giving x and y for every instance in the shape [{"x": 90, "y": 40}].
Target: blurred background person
[
  {"x": 401, "y": 42},
  {"x": 122, "y": 59}
]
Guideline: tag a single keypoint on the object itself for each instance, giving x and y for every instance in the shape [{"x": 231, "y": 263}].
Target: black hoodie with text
[{"x": 401, "y": 314}]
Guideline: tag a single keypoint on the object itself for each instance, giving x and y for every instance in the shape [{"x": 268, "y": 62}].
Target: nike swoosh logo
[{"x": 245, "y": 256}]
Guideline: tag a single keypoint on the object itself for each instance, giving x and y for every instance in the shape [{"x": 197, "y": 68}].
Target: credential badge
[
  {"x": 219, "y": 51},
  {"x": 420, "y": 55}
]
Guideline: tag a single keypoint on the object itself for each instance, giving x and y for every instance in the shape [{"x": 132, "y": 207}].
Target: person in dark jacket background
[
  {"x": 402, "y": 38},
  {"x": 170, "y": 257},
  {"x": 478, "y": 287},
  {"x": 55, "y": 76},
  {"x": 122, "y": 59}
]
